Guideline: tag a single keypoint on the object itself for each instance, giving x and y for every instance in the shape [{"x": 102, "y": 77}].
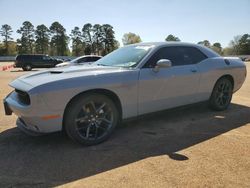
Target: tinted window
[
  {"x": 82, "y": 60},
  {"x": 88, "y": 59},
  {"x": 36, "y": 58},
  {"x": 18, "y": 57},
  {"x": 94, "y": 58},
  {"x": 22, "y": 57},
  {"x": 47, "y": 58},
  {"x": 178, "y": 55}
]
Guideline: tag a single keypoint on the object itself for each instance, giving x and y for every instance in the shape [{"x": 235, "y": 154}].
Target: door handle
[{"x": 193, "y": 70}]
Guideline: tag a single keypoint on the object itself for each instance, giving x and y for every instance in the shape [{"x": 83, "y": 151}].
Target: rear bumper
[
  {"x": 17, "y": 65},
  {"x": 240, "y": 77}
]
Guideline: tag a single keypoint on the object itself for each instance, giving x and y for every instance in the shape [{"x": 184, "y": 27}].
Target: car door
[
  {"x": 173, "y": 86},
  {"x": 37, "y": 61},
  {"x": 47, "y": 62}
]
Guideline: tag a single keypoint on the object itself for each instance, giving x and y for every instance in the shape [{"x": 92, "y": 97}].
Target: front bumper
[
  {"x": 7, "y": 109},
  {"x": 27, "y": 129},
  {"x": 30, "y": 117}
]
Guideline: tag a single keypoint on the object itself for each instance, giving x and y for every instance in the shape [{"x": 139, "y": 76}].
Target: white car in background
[{"x": 80, "y": 60}]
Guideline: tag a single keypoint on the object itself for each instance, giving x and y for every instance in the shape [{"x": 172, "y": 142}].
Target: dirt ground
[{"x": 185, "y": 147}]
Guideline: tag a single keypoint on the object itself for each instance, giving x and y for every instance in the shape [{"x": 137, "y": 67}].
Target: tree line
[
  {"x": 240, "y": 45},
  {"x": 90, "y": 39}
]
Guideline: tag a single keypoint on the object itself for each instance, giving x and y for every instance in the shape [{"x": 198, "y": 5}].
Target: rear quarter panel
[{"x": 212, "y": 69}]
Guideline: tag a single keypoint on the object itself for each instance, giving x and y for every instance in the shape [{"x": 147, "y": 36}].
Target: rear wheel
[
  {"x": 221, "y": 95},
  {"x": 27, "y": 68},
  {"x": 90, "y": 119}
]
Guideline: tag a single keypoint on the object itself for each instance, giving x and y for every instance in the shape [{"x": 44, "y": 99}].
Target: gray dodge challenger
[{"x": 89, "y": 101}]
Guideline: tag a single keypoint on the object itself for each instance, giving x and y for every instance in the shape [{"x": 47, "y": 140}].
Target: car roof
[
  {"x": 32, "y": 55},
  {"x": 204, "y": 49},
  {"x": 89, "y": 56},
  {"x": 172, "y": 43}
]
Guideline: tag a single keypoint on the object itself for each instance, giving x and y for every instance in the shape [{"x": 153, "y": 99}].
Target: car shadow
[{"x": 54, "y": 159}]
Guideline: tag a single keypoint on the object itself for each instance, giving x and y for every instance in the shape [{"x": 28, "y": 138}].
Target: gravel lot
[{"x": 185, "y": 147}]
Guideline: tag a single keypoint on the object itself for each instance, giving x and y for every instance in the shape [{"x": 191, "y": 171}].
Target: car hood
[{"x": 30, "y": 81}]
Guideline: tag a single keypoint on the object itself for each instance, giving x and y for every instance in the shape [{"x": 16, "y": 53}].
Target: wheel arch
[
  {"x": 108, "y": 93},
  {"x": 229, "y": 77},
  {"x": 212, "y": 101}
]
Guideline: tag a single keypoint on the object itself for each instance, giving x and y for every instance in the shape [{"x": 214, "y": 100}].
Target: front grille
[{"x": 23, "y": 97}]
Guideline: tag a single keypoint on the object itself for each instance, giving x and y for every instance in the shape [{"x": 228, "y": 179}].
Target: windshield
[{"x": 128, "y": 56}]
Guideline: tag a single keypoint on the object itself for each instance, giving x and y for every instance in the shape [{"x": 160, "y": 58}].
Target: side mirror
[{"x": 162, "y": 63}]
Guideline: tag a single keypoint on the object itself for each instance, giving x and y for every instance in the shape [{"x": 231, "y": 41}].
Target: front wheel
[
  {"x": 91, "y": 118},
  {"x": 221, "y": 95}
]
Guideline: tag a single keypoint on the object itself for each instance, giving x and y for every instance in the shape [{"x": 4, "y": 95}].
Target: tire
[
  {"x": 27, "y": 68},
  {"x": 90, "y": 119},
  {"x": 222, "y": 95}
]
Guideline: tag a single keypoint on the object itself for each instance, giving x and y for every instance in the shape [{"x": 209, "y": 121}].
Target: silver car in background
[
  {"x": 80, "y": 60},
  {"x": 89, "y": 101}
]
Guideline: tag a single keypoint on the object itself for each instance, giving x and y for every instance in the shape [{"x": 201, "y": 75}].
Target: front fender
[{"x": 58, "y": 94}]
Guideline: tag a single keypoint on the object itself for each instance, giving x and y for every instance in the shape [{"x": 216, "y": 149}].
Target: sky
[{"x": 190, "y": 20}]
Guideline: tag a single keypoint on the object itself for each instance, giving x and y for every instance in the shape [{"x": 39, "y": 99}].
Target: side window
[
  {"x": 93, "y": 59},
  {"x": 35, "y": 58},
  {"x": 82, "y": 60},
  {"x": 163, "y": 53},
  {"x": 178, "y": 55},
  {"x": 18, "y": 58},
  {"x": 97, "y": 58},
  {"x": 192, "y": 55},
  {"x": 46, "y": 58},
  {"x": 26, "y": 58},
  {"x": 153, "y": 59},
  {"x": 87, "y": 59}
]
